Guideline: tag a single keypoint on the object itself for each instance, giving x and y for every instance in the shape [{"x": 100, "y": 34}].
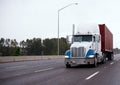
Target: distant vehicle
[{"x": 90, "y": 46}]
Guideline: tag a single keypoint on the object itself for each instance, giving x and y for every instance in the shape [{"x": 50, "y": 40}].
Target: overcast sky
[{"x": 22, "y": 19}]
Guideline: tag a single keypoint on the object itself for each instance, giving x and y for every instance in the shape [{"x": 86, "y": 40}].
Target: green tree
[
  {"x": 9, "y": 47},
  {"x": 2, "y": 41},
  {"x": 63, "y": 46},
  {"x": 23, "y": 48},
  {"x": 14, "y": 43},
  {"x": 34, "y": 46},
  {"x": 51, "y": 46},
  {"x": 48, "y": 46}
]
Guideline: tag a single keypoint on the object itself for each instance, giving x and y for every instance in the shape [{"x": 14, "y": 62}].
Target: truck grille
[{"x": 78, "y": 52}]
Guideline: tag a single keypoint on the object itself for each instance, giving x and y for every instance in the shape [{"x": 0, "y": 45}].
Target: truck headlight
[
  {"x": 66, "y": 56},
  {"x": 91, "y": 56}
]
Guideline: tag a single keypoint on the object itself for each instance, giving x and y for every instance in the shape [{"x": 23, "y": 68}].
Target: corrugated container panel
[{"x": 106, "y": 38}]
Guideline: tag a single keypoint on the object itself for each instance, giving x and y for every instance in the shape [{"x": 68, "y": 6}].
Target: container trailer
[{"x": 90, "y": 46}]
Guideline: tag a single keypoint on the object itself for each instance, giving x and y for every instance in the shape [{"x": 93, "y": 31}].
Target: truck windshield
[{"x": 82, "y": 38}]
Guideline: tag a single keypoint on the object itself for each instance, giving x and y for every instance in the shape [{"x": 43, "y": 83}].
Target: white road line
[
  {"x": 105, "y": 67},
  {"x": 89, "y": 77},
  {"x": 111, "y": 63},
  {"x": 43, "y": 70}
]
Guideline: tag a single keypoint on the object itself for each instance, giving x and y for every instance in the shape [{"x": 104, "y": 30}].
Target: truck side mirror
[
  {"x": 93, "y": 38},
  {"x": 98, "y": 39}
]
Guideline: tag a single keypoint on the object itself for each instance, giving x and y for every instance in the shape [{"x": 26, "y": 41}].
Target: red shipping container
[{"x": 106, "y": 38}]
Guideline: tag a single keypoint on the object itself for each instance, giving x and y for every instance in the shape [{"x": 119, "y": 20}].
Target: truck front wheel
[
  {"x": 95, "y": 62},
  {"x": 68, "y": 66}
]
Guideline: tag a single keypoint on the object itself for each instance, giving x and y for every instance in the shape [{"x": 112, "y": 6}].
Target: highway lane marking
[
  {"x": 89, "y": 77},
  {"x": 15, "y": 67},
  {"x": 44, "y": 70},
  {"x": 105, "y": 67}
]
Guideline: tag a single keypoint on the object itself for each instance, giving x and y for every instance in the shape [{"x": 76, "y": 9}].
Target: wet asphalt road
[{"x": 53, "y": 72}]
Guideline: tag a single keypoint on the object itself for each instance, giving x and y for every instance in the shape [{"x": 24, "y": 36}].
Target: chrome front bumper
[{"x": 79, "y": 61}]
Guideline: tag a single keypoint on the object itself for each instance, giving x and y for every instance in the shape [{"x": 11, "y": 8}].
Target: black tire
[
  {"x": 104, "y": 59},
  {"x": 111, "y": 57},
  {"x": 95, "y": 62},
  {"x": 68, "y": 66}
]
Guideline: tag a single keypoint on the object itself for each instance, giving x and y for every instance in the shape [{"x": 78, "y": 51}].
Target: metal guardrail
[{"x": 27, "y": 58}]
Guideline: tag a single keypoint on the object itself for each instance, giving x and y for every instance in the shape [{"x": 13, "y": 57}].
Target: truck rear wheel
[
  {"x": 111, "y": 57},
  {"x": 104, "y": 59}
]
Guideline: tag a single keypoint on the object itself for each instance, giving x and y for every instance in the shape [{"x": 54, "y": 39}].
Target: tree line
[{"x": 35, "y": 46}]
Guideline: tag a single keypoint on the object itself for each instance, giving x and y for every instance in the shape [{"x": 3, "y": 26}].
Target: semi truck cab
[{"x": 84, "y": 50}]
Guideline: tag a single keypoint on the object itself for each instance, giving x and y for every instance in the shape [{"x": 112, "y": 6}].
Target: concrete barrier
[{"x": 27, "y": 58}]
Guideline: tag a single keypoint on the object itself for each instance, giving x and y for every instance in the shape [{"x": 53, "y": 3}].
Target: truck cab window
[{"x": 82, "y": 38}]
